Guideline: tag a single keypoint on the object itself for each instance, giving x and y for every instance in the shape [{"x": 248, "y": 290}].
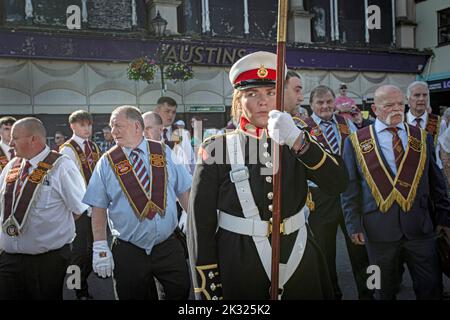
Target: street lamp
[{"x": 159, "y": 25}]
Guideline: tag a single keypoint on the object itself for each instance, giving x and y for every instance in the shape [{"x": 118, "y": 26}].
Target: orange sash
[
  {"x": 144, "y": 206},
  {"x": 14, "y": 220},
  {"x": 386, "y": 189}
]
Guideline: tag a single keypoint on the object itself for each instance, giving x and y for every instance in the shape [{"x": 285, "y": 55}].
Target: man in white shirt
[
  {"x": 167, "y": 109},
  {"x": 418, "y": 97},
  {"x": 6, "y": 152},
  {"x": 40, "y": 192},
  {"x": 85, "y": 154}
]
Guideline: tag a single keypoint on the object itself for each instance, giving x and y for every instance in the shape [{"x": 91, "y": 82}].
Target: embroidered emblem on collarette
[
  {"x": 367, "y": 146},
  {"x": 414, "y": 143}
]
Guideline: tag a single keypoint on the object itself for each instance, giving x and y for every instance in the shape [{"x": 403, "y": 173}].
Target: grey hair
[
  {"x": 415, "y": 84},
  {"x": 154, "y": 116},
  {"x": 34, "y": 127},
  {"x": 131, "y": 112}
]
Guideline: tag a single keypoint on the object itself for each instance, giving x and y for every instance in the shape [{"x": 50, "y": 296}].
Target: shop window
[
  {"x": 444, "y": 26},
  {"x": 227, "y": 18}
]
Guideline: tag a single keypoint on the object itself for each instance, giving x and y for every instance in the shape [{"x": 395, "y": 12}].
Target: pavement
[{"x": 102, "y": 289}]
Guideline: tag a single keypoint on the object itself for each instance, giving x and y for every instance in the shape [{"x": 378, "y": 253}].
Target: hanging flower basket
[
  {"x": 179, "y": 72},
  {"x": 142, "y": 68}
]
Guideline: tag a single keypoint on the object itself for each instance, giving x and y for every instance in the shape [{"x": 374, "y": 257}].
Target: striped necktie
[
  {"x": 418, "y": 121},
  {"x": 397, "y": 146},
  {"x": 331, "y": 137},
  {"x": 23, "y": 176},
  {"x": 88, "y": 152},
  {"x": 139, "y": 168}
]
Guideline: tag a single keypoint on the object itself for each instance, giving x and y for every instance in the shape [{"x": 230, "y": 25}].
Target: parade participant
[
  {"x": 395, "y": 198},
  {"x": 418, "y": 97},
  {"x": 59, "y": 140},
  {"x": 39, "y": 191},
  {"x": 138, "y": 183},
  {"x": 344, "y": 104},
  {"x": 6, "y": 152},
  {"x": 108, "y": 141},
  {"x": 293, "y": 95},
  {"x": 167, "y": 109},
  {"x": 230, "y": 252},
  {"x": 85, "y": 154},
  {"x": 153, "y": 125},
  {"x": 331, "y": 130}
]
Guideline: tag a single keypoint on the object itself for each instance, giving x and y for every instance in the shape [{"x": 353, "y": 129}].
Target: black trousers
[
  {"x": 33, "y": 277},
  {"x": 82, "y": 252},
  {"x": 423, "y": 263},
  {"x": 324, "y": 222},
  {"x": 135, "y": 271}
]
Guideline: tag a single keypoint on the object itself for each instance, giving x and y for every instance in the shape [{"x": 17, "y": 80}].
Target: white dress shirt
[
  {"x": 411, "y": 119},
  {"x": 50, "y": 223},
  {"x": 6, "y": 149},
  {"x": 71, "y": 153}
]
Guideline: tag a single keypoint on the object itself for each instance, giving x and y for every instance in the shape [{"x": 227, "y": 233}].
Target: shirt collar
[
  {"x": 249, "y": 129},
  {"x": 39, "y": 157},
  {"x": 380, "y": 126},
  {"x": 410, "y": 118},
  {"x": 5, "y": 147},
  {"x": 142, "y": 145},
  {"x": 79, "y": 140},
  {"x": 319, "y": 120}
]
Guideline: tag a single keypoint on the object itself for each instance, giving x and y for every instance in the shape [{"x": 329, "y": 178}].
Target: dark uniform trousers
[
  {"x": 324, "y": 221},
  {"x": 422, "y": 260},
  {"x": 82, "y": 251},
  {"x": 135, "y": 271},
  {"x": 33, "y": 277}
]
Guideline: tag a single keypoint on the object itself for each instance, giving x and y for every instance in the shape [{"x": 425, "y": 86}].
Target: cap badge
[{"x": 262, "y": 72}]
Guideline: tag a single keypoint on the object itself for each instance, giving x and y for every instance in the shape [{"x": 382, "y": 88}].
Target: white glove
[
  {"x": 183, "y": 222},
  {"x": 102, "y": 259},
  {"x": 282, "y": 128}
]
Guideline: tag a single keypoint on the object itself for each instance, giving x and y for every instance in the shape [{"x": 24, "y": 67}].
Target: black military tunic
[{"x": 227, "y": 262}]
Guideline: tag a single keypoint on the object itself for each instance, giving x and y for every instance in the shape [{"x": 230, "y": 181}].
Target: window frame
[{"x": 439, "y": 27}]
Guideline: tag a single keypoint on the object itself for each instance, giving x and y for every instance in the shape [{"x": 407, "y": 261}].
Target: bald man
[
  {"x": 40, "y": 191},
  {"x": 153, "y": 125},
  {"x": 396, "y": 197}
]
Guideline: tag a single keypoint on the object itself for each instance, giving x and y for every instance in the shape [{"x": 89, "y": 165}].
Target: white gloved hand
[
  {"x": 282, "y": 128},
  {"x": 182, "y": 223},
  {"x": 102, "y": 259}
]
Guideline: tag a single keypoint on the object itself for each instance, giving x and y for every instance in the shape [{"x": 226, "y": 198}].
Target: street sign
[{"x": 201, "y": 109}]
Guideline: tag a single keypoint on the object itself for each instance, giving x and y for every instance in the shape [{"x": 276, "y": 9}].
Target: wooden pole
[{"x": 276, "y": 213}]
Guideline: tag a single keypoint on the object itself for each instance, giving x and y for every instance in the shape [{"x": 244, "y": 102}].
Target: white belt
[{"x": 252, "y": 227}]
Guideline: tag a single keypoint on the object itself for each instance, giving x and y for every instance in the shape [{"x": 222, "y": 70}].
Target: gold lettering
[
  {"x": 198, "y": 53},
  {"x": 219, "y": 53},
  {"x": 183, "y": 50},
  {"x": 171, "y": 54},
  {"x": 210, "y": 53},
  {"x": 229, "y": 57},
  {"x": 241, "y": 53}
]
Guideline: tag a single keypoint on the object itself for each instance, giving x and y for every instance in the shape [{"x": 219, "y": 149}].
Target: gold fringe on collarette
[
  {"x": 438, "y": 129},
  {"x": 395, "y": 195}
]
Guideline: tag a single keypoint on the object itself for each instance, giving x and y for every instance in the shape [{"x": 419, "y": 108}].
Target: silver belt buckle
[{"x": 239, "y": 175}]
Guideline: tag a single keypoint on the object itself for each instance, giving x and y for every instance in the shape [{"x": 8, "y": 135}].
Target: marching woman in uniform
[{"x": 229, "y": 231}]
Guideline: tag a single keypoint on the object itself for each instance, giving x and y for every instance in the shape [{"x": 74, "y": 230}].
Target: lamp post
[{"x": 159, "y": 25}]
